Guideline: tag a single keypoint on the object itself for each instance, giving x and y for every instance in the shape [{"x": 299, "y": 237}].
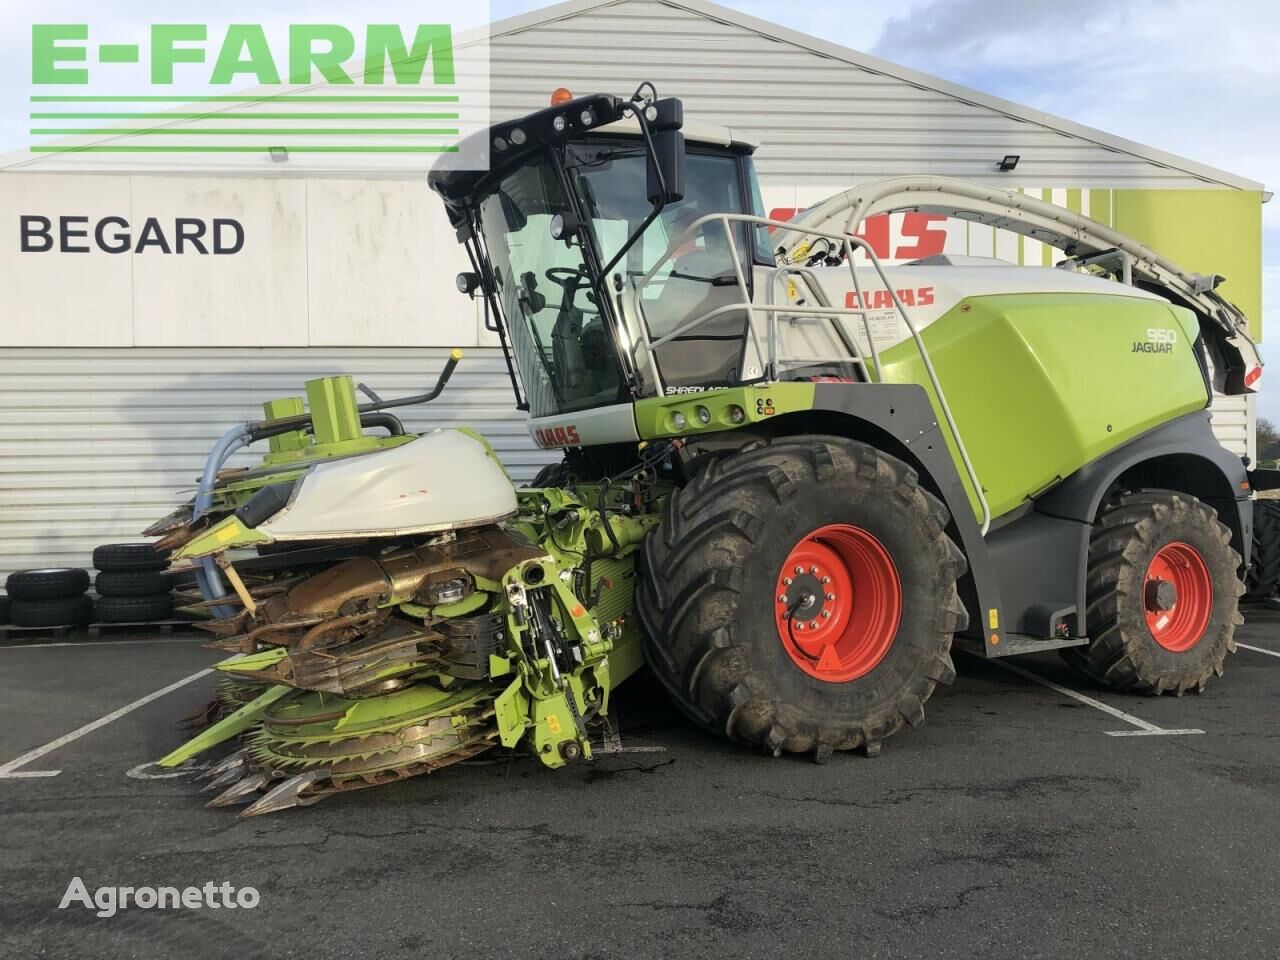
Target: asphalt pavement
[{"x": 1013, "y": 824}]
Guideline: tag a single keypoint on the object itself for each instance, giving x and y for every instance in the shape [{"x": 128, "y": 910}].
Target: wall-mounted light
[
  {"x": 1009, "y": 162},
  {"x": 278, "y": 154}
]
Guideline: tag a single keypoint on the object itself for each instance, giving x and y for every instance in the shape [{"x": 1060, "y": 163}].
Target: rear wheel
[
  {"x": 1163, "y": 595},
  {"x": 1264, "y": 565},
  {"x": 802, "y": 595}
]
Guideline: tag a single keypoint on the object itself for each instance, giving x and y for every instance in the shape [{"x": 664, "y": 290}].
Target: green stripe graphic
[
  {"x": 310, "y": 148},
  {"x": 244, "y": 115},
  {"x": 267, "y": 98},
  {"x": 247, "y": 131}
]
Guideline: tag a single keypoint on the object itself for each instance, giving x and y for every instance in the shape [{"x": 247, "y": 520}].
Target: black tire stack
[
  {"x": 52, "y": 597},
  {"x": 131, "y": 583}
]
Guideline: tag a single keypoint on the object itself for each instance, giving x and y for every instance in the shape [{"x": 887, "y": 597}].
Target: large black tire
[
  {"x": 128, "y": 556},
  {"x": 552, "y": 475},
  {"x": 710, "y": 574},
  {"x": 1264, "y": 565},
  {"x": 1124, "y": 653},
  {"x": 51, "y": 584},
  {"x": 135, "y": 609},
  {"x": 132, "y": 583},
  {"x": 61, "y": 612}
]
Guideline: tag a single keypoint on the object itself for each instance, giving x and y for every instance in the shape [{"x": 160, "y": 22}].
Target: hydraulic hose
[{"x": 208, "y": 577}]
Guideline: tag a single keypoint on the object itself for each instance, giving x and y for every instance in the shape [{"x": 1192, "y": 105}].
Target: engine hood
[{"x": 441, "y": 481}]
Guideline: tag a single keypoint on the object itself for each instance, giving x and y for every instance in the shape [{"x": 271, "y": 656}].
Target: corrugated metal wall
[{"x": 97, "y": 443}]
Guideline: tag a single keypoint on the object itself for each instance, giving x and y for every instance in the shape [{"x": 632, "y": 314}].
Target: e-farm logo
[{"x": 322, "y": 88}]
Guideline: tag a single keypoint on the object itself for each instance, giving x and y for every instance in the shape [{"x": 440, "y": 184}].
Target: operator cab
[{"x": 582, "y": 202}]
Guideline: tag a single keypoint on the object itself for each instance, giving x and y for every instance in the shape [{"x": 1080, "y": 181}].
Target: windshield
[
  {"x": 558, "y": 335},
  {"x": 697, "y": 278}
]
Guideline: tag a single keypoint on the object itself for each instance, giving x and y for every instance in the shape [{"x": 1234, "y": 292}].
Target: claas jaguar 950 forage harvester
[{"x": 794, "y": 479}]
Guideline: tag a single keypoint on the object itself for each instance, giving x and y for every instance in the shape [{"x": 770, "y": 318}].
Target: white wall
[{"x": 325, "y": 262}]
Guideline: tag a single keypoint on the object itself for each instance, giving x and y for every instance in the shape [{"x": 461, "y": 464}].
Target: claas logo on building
[{"x": 61, "y": 52}]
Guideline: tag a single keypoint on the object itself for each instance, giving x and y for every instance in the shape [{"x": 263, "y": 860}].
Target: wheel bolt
[
  {"x": 831, "y": 596},
  {"x": 782, "y": 598},
  {"x": 799, "y": 570},
  {"x": 788, "y": 581},
  {"x": 799, "y": 626},
  {"x": 826, "y": 580},
  {"x": 826, "y": 613},
  {"x": 814, "y": 571}
]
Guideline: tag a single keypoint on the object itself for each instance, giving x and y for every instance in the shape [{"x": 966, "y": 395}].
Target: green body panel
[
  {"x": 278, "y": 410},
  {"x": 334, "y": 410},
  {"x": 223, "y": 535},
  {"x": 1041, "y": 384},
  {"x": 655, "y": 416},
  {"x": 226, "y": 728},
  {"x": 335, "y": 430}
]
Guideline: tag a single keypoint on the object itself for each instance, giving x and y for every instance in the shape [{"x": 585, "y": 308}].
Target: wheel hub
[
  {"x": 838, "y": 603},
  {"x": 1177, "y": 597}
]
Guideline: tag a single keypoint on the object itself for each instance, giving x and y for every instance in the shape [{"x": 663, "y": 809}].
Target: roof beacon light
[{"x": 560, "y": 95}]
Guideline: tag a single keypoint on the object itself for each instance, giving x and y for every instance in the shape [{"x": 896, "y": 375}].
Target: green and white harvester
[{"x": 793, "y": 479}]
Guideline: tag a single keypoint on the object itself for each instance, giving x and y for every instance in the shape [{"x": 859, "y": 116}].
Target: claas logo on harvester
[
  {"x": 882, "y": 300},
  {"x": 557, "y": 436}
]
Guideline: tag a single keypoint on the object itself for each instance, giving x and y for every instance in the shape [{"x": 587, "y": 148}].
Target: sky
[{"x": 1201, "y": 80}]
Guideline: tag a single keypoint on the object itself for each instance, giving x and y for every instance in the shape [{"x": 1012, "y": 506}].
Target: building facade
[{"x": 127, "y": 348}]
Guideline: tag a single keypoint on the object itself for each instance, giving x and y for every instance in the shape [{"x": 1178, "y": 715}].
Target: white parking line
[
  {"x": 1245, "y": 646},
  {"x": 9, "y": 771},
  {"x": 35, "y": 645},
  {"x": 1145, "y": 729}
]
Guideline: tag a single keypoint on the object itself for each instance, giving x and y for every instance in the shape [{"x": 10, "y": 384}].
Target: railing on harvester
[{"x": 779, "y": 304}]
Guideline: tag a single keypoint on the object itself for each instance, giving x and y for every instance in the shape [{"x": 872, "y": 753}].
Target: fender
[{"x": 904, "y": 413}]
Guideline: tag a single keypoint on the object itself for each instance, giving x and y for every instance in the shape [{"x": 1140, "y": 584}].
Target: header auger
[{"x": 794, "y": 478}]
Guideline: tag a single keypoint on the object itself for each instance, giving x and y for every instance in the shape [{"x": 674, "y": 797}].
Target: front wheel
[
  {"x": 1163, "y": 595},
  {"x": 802, "y": 595}
]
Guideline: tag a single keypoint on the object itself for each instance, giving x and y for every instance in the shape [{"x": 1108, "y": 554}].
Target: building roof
[
  {"x": 802, "y": 121},
  {"x": 714, "y": 11}
]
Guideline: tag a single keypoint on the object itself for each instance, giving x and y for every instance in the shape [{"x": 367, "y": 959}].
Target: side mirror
[{"x": 666, "y": 167}]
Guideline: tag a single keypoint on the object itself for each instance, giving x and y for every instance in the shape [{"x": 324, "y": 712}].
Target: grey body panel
[
  {"x": 903, "y": 412},
  {"x": 1041, "y": 558},
  {"x": 1030, "y": 570}
]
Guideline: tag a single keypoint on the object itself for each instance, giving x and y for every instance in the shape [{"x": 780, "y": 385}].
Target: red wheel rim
[
  {"x": 1177, "y": 597},
  {"x": 837, "y": 603}
]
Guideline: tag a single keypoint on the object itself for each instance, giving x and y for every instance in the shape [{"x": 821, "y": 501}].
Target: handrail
[{"x": 848, "y": 245}]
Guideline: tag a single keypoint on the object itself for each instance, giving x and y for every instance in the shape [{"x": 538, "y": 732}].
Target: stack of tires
[
  {"x": 132, "y": 584},
  {"x": 53, "y": 597}
]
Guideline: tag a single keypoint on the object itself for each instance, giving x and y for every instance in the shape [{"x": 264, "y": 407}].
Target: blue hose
[{"x": 208, "y": 577}]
